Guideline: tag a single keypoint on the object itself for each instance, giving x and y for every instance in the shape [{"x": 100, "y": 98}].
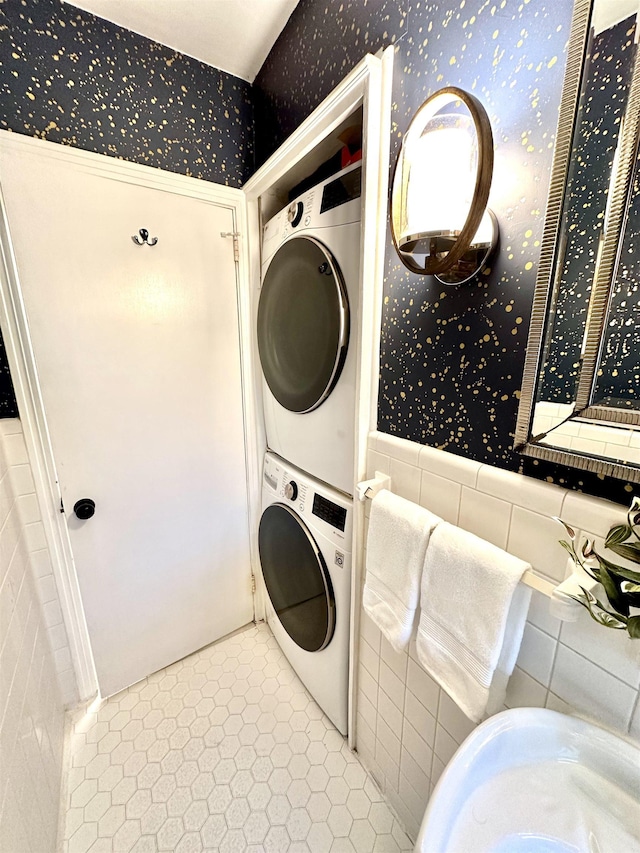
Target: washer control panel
[{"x": 309, "y": 499}]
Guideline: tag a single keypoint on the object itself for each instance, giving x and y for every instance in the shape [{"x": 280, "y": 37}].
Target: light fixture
[{"x": 440, "y": 222}]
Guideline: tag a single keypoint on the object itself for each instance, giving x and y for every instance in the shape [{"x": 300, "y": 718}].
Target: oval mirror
[{"x": 440, "y": 222}]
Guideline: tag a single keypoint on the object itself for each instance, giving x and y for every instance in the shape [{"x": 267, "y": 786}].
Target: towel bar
[{"x": 368, "y": 489}]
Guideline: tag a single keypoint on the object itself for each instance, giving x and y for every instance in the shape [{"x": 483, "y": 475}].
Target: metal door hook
[{"x": 144, "y": 234}]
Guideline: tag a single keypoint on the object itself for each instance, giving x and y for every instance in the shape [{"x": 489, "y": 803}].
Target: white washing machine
[
  {"x": 305, "y": 553},
  {"x": 308, "y": 310}
]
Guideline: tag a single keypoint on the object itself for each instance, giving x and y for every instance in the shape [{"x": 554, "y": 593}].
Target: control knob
[
  {"x": 291, "y": 490},
  {"x": 294, "y": 214}
]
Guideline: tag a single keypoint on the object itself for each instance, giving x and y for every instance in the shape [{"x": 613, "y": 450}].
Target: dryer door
[
  {"x": 303, "y": 324},
  {"x": 296, "y": 578}
]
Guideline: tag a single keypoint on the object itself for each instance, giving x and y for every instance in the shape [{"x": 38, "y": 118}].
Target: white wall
[
  {"x": 407, "y": 727},
  {"x": 36, "y": 679}
]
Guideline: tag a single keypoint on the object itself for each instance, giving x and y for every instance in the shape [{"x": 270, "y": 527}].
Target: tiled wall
[
  {"x": 407, "y": 727},
  {"x": 33, "y": 646}
]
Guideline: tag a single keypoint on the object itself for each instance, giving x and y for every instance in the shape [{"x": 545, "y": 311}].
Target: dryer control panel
[{"x": 336, "y": 201}]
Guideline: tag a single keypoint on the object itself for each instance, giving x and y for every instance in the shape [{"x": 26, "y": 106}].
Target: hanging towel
[
  {"x": 399, "y": 532},
  {"x": 473, "y": 612}
]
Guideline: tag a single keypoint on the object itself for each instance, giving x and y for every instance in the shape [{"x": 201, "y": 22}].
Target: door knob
[{"x": 84, "y": 508}]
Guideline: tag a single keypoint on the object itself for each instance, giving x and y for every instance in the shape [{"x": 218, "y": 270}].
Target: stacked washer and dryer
[{"x": 306, "y": 314}]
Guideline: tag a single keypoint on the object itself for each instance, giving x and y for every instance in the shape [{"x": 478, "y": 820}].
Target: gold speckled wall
[{"x": 452, "y": 358}]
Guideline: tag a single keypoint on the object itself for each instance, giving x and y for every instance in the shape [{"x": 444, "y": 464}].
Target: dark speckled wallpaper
[
  {"x": 72, "y": 78},
  {"x": 452, "y": 359}
]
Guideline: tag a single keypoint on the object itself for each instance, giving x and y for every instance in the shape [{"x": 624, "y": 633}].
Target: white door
[{"x": 137, "y": 352}]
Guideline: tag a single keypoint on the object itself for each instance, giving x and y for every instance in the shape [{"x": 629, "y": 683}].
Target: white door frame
[
  {"x": 368, "y": 85},
  {"x": 25, "y": 377}
]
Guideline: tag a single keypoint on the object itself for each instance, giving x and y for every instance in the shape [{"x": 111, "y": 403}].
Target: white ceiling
[{"x": 233, "y": 35}]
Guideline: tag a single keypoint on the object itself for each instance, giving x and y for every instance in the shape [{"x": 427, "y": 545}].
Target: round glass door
[
  {"x": 303, "y": 324},
  {"x": 296, "y": 578}
]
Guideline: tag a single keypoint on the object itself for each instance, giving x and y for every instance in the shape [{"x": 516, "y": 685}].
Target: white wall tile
[
  {"x": 31, "y": 759},
  {"x": 423, "y": 687},
  {"x": 396, "y": 661},
  {"x": 417, "y": 775},
  {"x": 524, "y": 691},
  {"x": 417, "y": 747},
  {"x": 370, "y": 631},
  {"x": 445, "y": 745},
  {"x": 405, "y": 480},
  {"x": 537, "y": 654},
  {"x": 592, "y": 690},
  {"x": 440, "y": 496},
  {"x": 457, "y": 724},
  {"x": 422, "y": 721},
  {"x": 485, "y": 516},
  {"x": 437, "y": 769},
  {"x": 389, "y": 740},
  {"x": 398, "y": 448},
  {"x": 589, "y": 513},
  {"x": 450, "y": 466},
  {"x": 15, "y": 450},
  {"x": 28, "y": 509},
  {"x": 540, "y": 614},
  {"x": 368, "y": 685},
  {"x": 389, "y": 713},
  {"x": 369, "y": 659},
  {"x": 377, "y": 462},
  {"x": 535, "y": 538},
  {"x": 522, "y": 491},
  {"x": 610, "y": 649},
  {"x": 22, "y": 480},
  {"x": 389, "y": 768},
  {"x": 392, "y": 685},
  {"x": 367, "y": 710},
  {"x": 415, "y": 801}
]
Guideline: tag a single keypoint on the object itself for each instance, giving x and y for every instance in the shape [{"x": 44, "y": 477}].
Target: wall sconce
[{"x": 440, "y": 221}]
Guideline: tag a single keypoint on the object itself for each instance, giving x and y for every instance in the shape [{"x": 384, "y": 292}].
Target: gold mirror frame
[
  {"x": 435, "y": 265},
  {"x": 524, "y": 442}
]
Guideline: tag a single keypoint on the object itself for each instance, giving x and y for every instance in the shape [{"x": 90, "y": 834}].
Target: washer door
[
  {"x": 303, "y": 324},
  {"x": 296, "y": 578}
]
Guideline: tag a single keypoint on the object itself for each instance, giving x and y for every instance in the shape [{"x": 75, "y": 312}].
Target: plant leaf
[
  {"x": 633, "y": 627},
  {"x": 602, "y": 615},
  {"x": 630, "y": 588},
  {"x": 618, "y": 533},
  {"x": 620, "y": 571},
  {"x": 588, "y": 549},
  {"x": 570, "y": 531},
  {"x": 629, "y": 552},
  {"x": 612, "y": 589},
  {"x": 569, "y": 547}
]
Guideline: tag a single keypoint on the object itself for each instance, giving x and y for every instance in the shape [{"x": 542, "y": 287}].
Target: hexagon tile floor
[{"x": 224, "y": 750}]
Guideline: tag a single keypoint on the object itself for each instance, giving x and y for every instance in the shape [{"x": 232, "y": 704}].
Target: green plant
[{"x": 620, "y": 583}]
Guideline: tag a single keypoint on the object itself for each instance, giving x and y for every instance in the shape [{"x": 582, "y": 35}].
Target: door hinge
[
  {"x": 253, "y": 584},
  {"x": 236, "y": 244}
]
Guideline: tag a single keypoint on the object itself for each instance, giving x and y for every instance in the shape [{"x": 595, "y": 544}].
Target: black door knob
[{"x": 84, "y": 508}]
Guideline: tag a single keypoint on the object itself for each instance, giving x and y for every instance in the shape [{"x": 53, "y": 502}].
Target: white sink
[{"x": 535, "y": 781}]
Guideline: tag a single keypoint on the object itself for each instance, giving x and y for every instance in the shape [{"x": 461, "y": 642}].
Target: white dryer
[
  {"x": 305, "y": 553},
  {"x": 307, "y": 312}
]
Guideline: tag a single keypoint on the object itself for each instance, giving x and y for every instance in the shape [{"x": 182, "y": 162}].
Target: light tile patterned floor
[{"x": 226, "y": 751}]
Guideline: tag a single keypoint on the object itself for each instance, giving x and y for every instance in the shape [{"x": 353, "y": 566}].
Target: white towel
[
  {"x": 473, "y": 612},
  {"x": 399, "y": 532}
]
